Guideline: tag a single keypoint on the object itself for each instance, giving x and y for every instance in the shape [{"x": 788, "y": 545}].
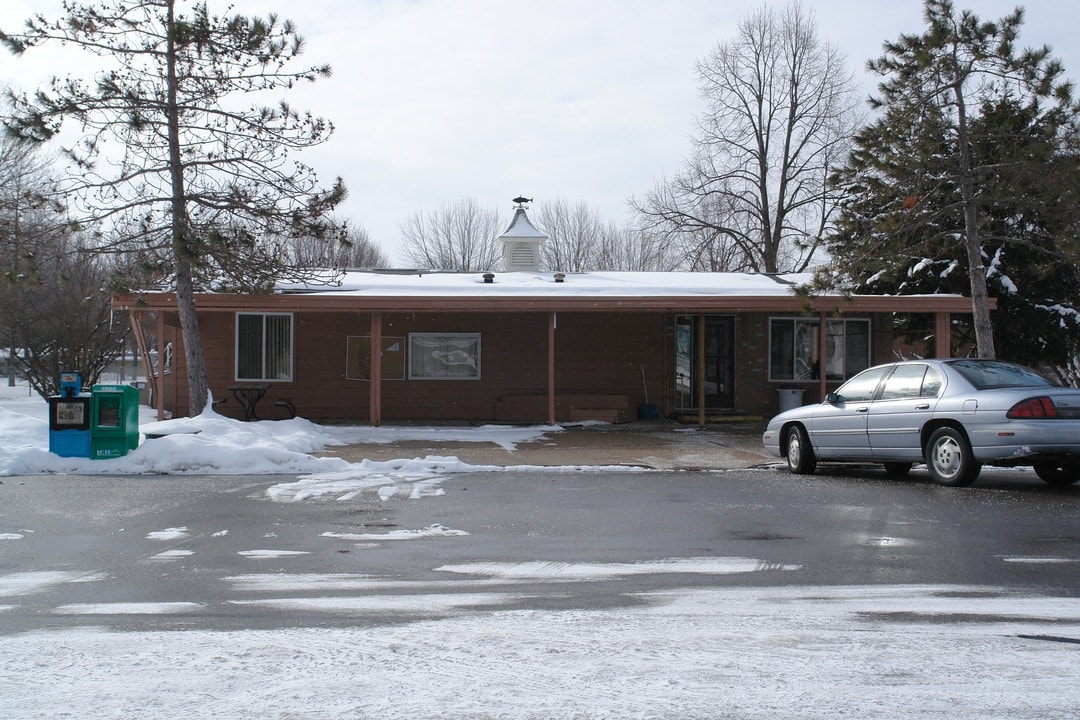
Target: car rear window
[{"x": 986, "y": 374}]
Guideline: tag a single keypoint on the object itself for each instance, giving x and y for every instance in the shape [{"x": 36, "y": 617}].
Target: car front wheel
[
  {"x": 800, "y": 455},
  {"x": 1058, "y": 473},
  {"x": 949, "y": 458}
]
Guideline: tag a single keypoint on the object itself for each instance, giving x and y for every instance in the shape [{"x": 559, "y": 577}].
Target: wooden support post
[
  {"x": 156, "y": 380},
  {"x": 552, "y": 322},
  {"x": 375, "y": 405},
  {"x": 701, "y": 370},
  {"x": 942, "y": 335},
  {"x": 823, "y": 346}
]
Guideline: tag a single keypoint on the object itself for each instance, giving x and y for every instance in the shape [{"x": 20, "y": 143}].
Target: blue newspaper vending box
[{"x": 69, "y": 418}]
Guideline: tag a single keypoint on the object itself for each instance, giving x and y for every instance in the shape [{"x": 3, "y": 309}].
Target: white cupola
[{"x": 521, "y": 241}]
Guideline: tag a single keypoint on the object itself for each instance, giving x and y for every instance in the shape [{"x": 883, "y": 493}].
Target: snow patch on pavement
[
  {"x": 412, "y": 479},
  {"x": 424, "y": 605},
  {"x": 175, "y": 533},
  {"x": 129, "y": 608},
  {"x": 602, "y": 571},
  {"x": 271, "y": 554},
  {"x": 430, "y": 531},
  {"x": 27, "y": 583}
]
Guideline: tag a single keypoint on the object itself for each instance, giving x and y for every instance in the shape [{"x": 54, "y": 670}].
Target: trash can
[
  {"x": 114, "y": 420},
  {"x": 790, "y": 397},
  {"x": 144, "y": 391},
  {"x": 69, "y": 418}
]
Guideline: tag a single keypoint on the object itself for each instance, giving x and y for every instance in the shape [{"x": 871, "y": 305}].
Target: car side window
[
  {"x": 931, "y": 384},
  {"x": 905, "y": 382},
  {"x": 861, "y": 387}
]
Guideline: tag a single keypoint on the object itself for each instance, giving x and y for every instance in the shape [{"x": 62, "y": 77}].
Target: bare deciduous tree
[
  {"x": 781, "y": 106},
  {"x": 26, "y": 177},
  {"x": 352, "y": 248},
  {"x": 637, "y": 249},
  {"x": 576, "y": 236},
  {"x": 61, "y": 316},
  {"x": 459, "y": 236},
  {"x": 579, "y": 240}
]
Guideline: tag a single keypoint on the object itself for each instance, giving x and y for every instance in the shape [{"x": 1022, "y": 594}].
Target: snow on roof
[
  {"x": 522, "y": 227},
  {"x": 597, "y": 284},
  {"x": 531, "y": 291}
]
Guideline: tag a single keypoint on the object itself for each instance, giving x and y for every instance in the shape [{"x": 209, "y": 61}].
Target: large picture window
[
  {"x": 264, "y": 346},
  {"x": 794, "y": 345},
  {"x": 444, "y": 356}
]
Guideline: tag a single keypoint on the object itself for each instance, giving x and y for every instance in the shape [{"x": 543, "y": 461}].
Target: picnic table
[{"x": 249, "y": 395}]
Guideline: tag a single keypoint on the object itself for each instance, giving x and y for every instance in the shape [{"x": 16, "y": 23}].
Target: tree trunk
[
  {"x": 185, "y": 290},
  {"x": 980, "y": 303},
  {"x": 193, "y": 348}
]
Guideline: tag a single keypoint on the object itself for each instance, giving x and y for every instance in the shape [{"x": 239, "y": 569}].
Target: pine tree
[
  {"x": 168, "y": 149},
  {"x": 935, "y": 82},
  {"x": 900, "y": 230}
]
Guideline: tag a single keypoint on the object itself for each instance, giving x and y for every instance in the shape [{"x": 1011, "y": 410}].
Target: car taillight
[{"x": 1038, "y": 407}]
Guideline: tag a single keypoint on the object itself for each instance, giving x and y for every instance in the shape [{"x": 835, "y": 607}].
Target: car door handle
[
  {"x": 862, "y": 409},
  {"x": 924, "y": 406}
]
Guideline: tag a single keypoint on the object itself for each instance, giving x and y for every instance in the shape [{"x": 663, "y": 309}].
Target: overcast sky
[{"x": 438, "y": 100}]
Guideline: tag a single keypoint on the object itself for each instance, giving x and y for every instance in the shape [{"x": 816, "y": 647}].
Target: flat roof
[
  {"x": 503, "y": 284},
  {"x": 421, "y": 290}
]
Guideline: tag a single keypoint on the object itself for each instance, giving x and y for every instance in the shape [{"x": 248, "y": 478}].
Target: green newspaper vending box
[{"x": 114, "y": 420}]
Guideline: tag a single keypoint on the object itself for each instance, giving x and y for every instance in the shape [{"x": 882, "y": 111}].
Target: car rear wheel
[
  {"x": 1058, "y": 473},
  {"x": 800, "y": 455},
  {"x": 949, "y": 458}
]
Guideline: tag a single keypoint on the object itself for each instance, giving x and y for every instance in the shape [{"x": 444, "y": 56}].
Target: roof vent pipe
[
  {"x": 560, "y": 277},
  {"x": 489, "y": 278}
]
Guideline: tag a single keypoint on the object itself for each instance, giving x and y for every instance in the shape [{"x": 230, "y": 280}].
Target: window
[
  {"x": 985, "y": 374},
  {"x": 444, "y": 356},
  {"x": 794, "y": 345},
  {"x": 931, "y": 384},
  {"x": 861, "y": 387},
  {"x": 263, "y": 346},
  {"x": 912, "y": 381}
]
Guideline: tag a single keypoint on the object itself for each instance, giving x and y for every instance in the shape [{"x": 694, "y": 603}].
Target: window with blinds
[{"x": 264, "y": 346}]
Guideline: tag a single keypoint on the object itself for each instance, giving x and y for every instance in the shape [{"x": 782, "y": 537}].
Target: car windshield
[{"x": 986, "y": 374}]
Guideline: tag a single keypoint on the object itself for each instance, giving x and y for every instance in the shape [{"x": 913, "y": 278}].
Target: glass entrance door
[{"x": 716, "y": 374}]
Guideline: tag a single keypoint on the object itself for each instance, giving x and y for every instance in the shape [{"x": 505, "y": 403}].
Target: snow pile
[{"x": 212, "y": 444}]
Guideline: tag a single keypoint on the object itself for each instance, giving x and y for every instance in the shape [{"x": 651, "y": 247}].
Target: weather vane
[{"x": 521, "y": 200}]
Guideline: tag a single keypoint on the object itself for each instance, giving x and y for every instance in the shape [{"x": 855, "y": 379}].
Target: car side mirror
[{"x": 832, "y": 398}]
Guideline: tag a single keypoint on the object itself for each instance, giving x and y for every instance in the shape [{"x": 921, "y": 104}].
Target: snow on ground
[{"x": 746, "y": 654}]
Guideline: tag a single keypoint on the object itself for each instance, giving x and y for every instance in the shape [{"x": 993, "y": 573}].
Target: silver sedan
[{"x": 954, "y": 415}]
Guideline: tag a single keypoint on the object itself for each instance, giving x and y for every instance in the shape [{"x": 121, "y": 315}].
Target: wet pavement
[{"x": 659, "y": 444}]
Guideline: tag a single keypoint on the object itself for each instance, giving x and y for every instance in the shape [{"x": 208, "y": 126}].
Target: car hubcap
[
  {"x": 794, "y": 450},
  {"x": 947, "y": 457}
]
